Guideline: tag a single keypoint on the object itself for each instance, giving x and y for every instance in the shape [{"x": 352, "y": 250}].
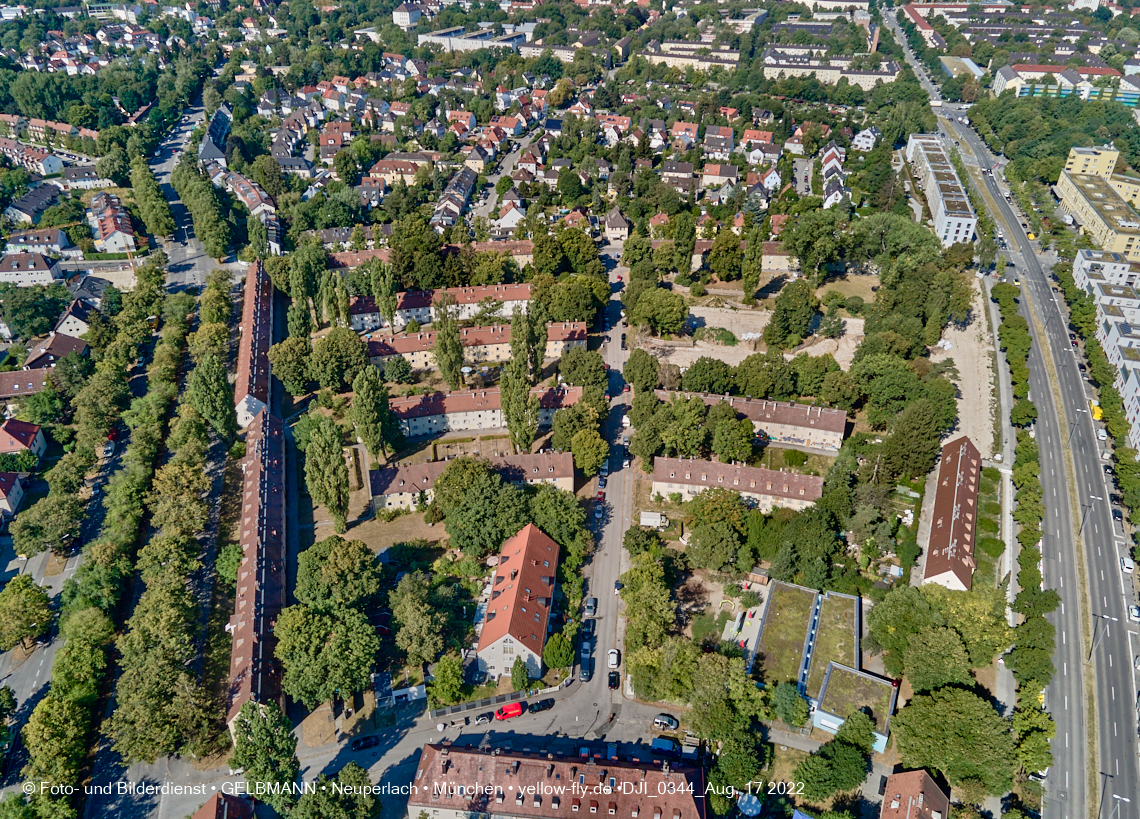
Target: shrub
[
  {"x": 992, "y": 546},
  {"x": 854, "y": 305},
  {"x": 992, "y": 508},
  {"x": 697, "y": 289},
  {"x": 988, "y": 525},
  {"x": 795, "y": 458}
]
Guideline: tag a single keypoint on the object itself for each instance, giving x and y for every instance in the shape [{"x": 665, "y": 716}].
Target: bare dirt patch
[
  {"x": 972, "y": 349},
  {"x": 378, "y": 535},
  {"x": 862, "y": 286}
]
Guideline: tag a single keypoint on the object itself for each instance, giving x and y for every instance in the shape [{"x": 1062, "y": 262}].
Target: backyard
[
  {"x": 780, "y": 649},
  {"x": 834, "y": 639}
]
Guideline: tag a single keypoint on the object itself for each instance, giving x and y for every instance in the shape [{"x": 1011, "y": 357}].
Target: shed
[{"x": 654, "y": 520}]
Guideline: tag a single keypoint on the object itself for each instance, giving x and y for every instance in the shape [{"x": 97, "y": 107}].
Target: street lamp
[
  {"x": 1088, "y": 509},
  {"x": 1116, "y": 804},
  {"x": 1097, "y": 640}
]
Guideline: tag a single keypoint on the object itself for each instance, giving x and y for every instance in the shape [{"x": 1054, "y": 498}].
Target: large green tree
[
  {"x": 25, "y": 611},
  {"x": 335, "y": 574},
  {"x": 448, "y": 345},
  {"x": 266, "y": 748},
  {"x": 213, "y": 396},
  {"x": 323, "y": 655},
  {"x": 326, "y": 474},
  {"x": 376, "y": 424},
  {"x": 338, "y": 358},
  {"x": 290, "y": 363},
  {"x": 792, "y": 314}
]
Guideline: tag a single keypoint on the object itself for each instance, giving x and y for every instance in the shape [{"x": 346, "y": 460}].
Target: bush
[
  {"x": 697, "y": 289},
  {"x": 988, "y": 525},
  {"x": 992, "y": 508},
  {"x": 854, "y": 305},
  {"x": 795, "y": 458},
  {"x": 992, "y": 546},
  {"x": 683, "y": 281},
  {"x": 412, "y": 326}
]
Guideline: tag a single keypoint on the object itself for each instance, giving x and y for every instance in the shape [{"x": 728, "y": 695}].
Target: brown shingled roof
[
  {"x": 772, "y": 412},
  {"x": 738, "y": 478},
  {"x": 404, "y": 343},
  {"x": 954, "y": 520},
  {"x": 443, "y": 403},
  {"x": 514, "y": 468},
  {"x": 256, "y": 336}
]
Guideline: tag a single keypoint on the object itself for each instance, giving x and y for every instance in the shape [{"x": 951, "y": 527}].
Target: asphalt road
[
  {"x": 189, "y": 263},
  {"x": 1109, "y": 590}
]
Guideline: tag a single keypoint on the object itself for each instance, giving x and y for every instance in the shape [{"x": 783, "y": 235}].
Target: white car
[
  {"x": 615, "y": 658},
  {"x": 1134, "y": 614}
]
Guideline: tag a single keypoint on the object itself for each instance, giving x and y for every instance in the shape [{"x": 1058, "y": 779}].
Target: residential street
[{"x": 488, "y": 209}]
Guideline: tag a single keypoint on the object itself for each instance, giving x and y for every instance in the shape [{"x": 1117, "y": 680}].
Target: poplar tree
[
  {"x": 448, "y": 346},
  {"x": 326, "y": 474}
]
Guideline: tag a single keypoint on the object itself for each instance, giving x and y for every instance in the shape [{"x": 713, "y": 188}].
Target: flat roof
[{"x": 1108, "y": 204}]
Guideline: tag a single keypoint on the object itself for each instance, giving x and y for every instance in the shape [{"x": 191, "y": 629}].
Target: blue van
[{"x": 663, "y": 746}]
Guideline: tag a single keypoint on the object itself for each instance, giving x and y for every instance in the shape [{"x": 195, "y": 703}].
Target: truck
[
  {"x": 1094, "y": 408},
  {"x": 936, "y": 103}
]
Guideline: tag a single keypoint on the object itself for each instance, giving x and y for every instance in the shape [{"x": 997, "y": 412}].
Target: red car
[
  {"x": 510, "y": 710},
  {"x": 601, "y": 498},
  {"x": 625, "y": 388}
]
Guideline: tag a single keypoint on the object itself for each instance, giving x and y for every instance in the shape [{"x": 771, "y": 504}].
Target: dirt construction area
[
  {"x": 741, "y": 323},
  {"x": 971, "y": 348}
]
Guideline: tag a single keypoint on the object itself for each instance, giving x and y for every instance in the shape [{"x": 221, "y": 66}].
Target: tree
[
  {"x": 661, "y": 310},
  {"x": 398, "y": 371},
  {"x": 338, "y": 358},
  {"x": 736, "y": 767},
  {"x": 893, "y": 622},
  {"x": 43, "y": 408},
  {"x": 558, "y": 653},
  {"x": 213, "y": 396},
  {"x": 376, "y": 424},
  {"x": 649, "y": 606},
  {"x": 326, "y": 474},
  {"x": 732, "y": 440},
  {"x": 290, "y": 362},
  {"x": 708, "y": 375},
  {"x": 266, "y": 748},
  {"x": 935, "y": 657},
  {"x": 590, "y": 451},
  {"x": 384, "y": 292},
  {"x": 113, "y": 165},
  {"x": 54, "y": 737},
  {"x": 520, "y": 677},
  {"x": 637, "y": 540},
  {"x": 838, "y": 765},
  {"x": 958, "y": 733},
  {"x": 350, "y": 797},
  {"x": 267, "y": 173},
  {"x": 789, "y": 704},
  {"x": 323, "y": 655},
  {"x": 752, "y": 266},
  {"x": 725, "y": 256},
  {"x": 419, "y": 626},
  {"x": 583, "y": 368},
  {"x": 520, "y": 405},
  {"x": 446, "y": 686},
  {"x": 640, "y": 371},
  {"x": 480, "y": 509},
  {"x": 336, "y": 574},
  {"x": 50, "y": 523},
  {"x": 913, "y": 444},
  {"x": 25, "y": 611},
  {"x": 791, "y": 317},
  {"x": 32, "y": 311},
  {"x": 448, "y": 346}
]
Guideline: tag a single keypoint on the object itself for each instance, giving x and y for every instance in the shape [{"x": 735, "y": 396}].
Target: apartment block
[
  {"x": 481, "y": 345},
  {"x": 419, "y": 305},
  {"x": 763, "y": 489},
  {"x": 1100, "y": 201},
  {"x": 781, "y": 422},
  {"x": 954, "y": 217},
  {"x": 437, "y": 413}
]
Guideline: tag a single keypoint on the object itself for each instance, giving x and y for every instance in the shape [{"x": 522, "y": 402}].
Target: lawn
[
  {"x": 708, "y": 625},
  {"x": 781, "y": 647},
  {"x": 849, "y": 691},
  {"x": 987, "y": 562},
  {"x": 834, "y": 639},
  {"x": 775, "y": 457}
]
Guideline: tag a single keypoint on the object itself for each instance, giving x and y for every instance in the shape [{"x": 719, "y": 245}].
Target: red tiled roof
[
  {"x": 914, "y": 795},
  {"x": 515, "y": 468},
  {"x": 17, "y": 384},
  {"x": 224, "y": 806},
  {"x": 256, "y": 336},
  {"x": 953, "y": 523},
  {"x": 413, "y": 299},
  {"x": 522, "y": 590},
  {"x": 17, "y": 436},
  {"x": 404, "y": 343},
  {"x": 260, "y": 592},
  {"x": 738, "y": 478},
  {"x": 8, "y": 481},
  {"x": 445, "y": 403},
  {"x": 761, "y": 411}
]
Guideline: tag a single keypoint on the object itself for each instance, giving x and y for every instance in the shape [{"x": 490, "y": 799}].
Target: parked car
[
  {"x": 665, "y": 722},
  {"x": 364, "y": 743},
  {"x": 587, "y": 649},
  {"x": 541, "y": 705},
  {"x": 617, "y": 587},
  {"x": 591, "y": 606},
  {"x": 1127, "y": 566},
  {"x": 663, "y": 746},
  {"x": 615, "y": 658},
  {"x": 586, "y": 670},
  {"x": 588, "y": 627},
  {"x": 485, "y": 719},
  {"x": 1134, "y": 614},
  {"x": 511, "y": 710},
  {"x": 1117, "y": 516},
  {"x": 615, "y": 680}
]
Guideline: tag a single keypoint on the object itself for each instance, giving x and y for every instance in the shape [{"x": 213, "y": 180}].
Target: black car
[
  {"x": 615, "y": 680},
  {"x": 485, "y": 719},
  {"x": 1117, "y": 516},
  {"x": 588, "y": 627},
  {"x": 623, "y": 341},
  {"x": 364, "y": 743},
  {"x": 541, "y": 705}
]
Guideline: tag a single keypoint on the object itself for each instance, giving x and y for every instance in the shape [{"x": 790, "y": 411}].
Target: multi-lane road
[{"x": 1082, "y": 545}]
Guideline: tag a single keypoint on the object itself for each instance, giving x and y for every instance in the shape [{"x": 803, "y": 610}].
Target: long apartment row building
[
  {"x": 954, "y": 217},
  {"x": 813, "y": 61},
  {"x": 420, "y": 305},
  {"x": 1114, "y": 284},
  {"x": 481, "y": 345},
  {"x": 461, "y": 410},
  {"x": 763, "y": 489},
  {"x": 405, "y": 487},
  {"x": 1101, "y": 201},
  {"x": 781, "y": 422},
  {"x": 255, "y": 675}
]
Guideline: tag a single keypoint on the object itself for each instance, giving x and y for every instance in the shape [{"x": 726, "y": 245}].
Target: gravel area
[{"x": 972, "y": 349}]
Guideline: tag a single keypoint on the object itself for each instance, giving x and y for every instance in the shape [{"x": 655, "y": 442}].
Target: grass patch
[
  {"x": 781, "y": 647},
  {"x": 707, "y": 625},
  {"x": 834, "y": 640},
  {"x": 775, "y": 457},
  {"x": 848, "y": 692},
  {"x": 991, "y": 508}
]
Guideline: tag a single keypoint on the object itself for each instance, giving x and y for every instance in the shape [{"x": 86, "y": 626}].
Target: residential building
[
  {"x": 407, "y": 15},
  {"x": 718, "y": 142},
  {"x": 46, "y": 241},
  {"x": 20, "y": 384},
  {"x": 29, "y": 207},
  {"x": 1093, "y": 267},
  {"x": 1101, "y": 201},
  {"x": 260, "y": 592},
  {"x": 419, "y": 305},
  {"x": 950, "y": 549},
  {"x": 481, "y": 345},
  {"x": 866, "y": 139},
  {"x": 781, "y": 422},
  {"x": 437, "y": 413},
  {"x": 617, "y": 226},
  {"x": 696, "y": 55},
  {"x": 212, "y": 148},
  {"x": 954, "y": 217},
  {"x": 27, "y": 269},
  {"x": 406, "y": 487},
  {"x": 35, "y": 160},
  {"x": 20, "y": 436},
  {"x": 84, "y": 177},
  {"x": 110, "y": 224},
  {"x": 11, "y": 493},
  {"x": 47, "y": 351},
  {"x": 76, "y": 319},
  {"x": 763, "y": 489},
  {"x": 914, "y": 795},
  {"x": 807, "y": 61},
  {"x": 458, "y": 38},
  {"x": 251, "y": 386},
  {"x": 224, "y": 806},
  {"x": 522, "y": 597},
  {"x": 657, "y": 789}
]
